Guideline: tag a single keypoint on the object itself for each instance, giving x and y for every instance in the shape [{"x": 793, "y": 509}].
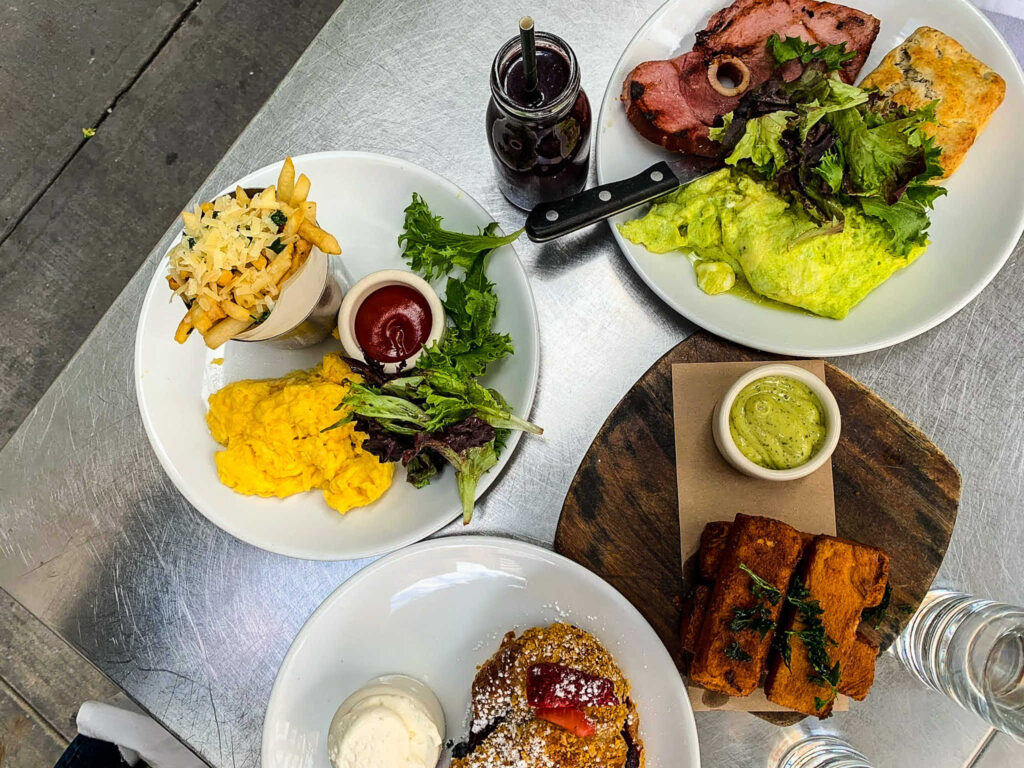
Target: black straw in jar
[{"x": 526, "y": 39}]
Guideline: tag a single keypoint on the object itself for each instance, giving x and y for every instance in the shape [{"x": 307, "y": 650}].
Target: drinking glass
[
  {"x": 972, "y": 650},
  {"x": 822, "y": 751}
]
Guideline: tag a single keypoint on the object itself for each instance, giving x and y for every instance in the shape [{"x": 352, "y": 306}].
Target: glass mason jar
[{"x": 540, "y": 149}]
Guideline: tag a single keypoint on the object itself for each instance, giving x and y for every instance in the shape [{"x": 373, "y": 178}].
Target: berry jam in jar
[{"x": 540, "y": 140}]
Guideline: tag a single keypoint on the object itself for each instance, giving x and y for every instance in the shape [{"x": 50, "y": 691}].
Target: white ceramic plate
[
  {"x": 435, "y": 611},
  {"x": 974, "y": 228},
  {"x": 360, "y": 199}
]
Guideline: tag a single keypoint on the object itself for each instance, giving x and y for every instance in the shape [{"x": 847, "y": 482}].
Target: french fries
[
  {"x": 237, "y": 252},
  {"x": 200, "y": 320},
  {"x": 301, "y": 189},
  {"x": 232, "y": 310},
  {"x": 184, "y": 329},
  {"x": 225, "y": 330},
  {"x": 286, "y": 180},
  {"x": 302, "y": 249},
  {"x": 291, "y": 227},
  {"x": 325, "y": 241}
]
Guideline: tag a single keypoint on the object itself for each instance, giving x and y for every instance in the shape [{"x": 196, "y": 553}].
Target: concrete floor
[{"x": 166, "y": 85}]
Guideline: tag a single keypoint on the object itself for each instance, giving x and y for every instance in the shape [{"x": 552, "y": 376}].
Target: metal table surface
[{"x": 194, "y": 624}]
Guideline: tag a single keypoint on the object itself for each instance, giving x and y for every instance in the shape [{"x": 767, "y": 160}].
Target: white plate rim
[
  {"x": 413, "y": 534},
  {"x": 610, "y": 100},
  {"x": 472, "y": 542}
]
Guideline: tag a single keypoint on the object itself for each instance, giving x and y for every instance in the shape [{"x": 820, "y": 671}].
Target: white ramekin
[
  {"x": 727, "y": 446},
  {"x": 358, "y": 293},
  {"x": 397, "y": 685}
]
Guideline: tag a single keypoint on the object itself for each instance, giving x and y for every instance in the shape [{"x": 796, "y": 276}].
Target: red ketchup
[{"x": 393, "y": 323}]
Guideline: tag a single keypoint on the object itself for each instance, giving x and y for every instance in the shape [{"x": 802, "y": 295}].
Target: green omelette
[{"x": 741, "y": 223}]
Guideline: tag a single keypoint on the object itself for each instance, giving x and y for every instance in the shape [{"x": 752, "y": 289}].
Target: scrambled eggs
[{"x": 274, "y": 446}]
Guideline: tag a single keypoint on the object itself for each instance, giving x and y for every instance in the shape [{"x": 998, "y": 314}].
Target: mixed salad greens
[
  {"x": 830, "y": 145},
  {"x": 439, "y": 411}
]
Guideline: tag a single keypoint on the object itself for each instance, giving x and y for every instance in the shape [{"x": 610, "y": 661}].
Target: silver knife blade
[{"x": 689, "y": 168}]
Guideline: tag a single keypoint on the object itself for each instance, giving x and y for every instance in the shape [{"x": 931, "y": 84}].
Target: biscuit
[{"x": 930, "y": 65}]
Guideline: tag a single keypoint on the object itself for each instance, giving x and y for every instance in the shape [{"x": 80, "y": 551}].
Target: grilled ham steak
[{"x": 673, "y": 102}]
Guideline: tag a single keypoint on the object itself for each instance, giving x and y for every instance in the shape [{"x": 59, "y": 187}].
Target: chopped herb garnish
[
  {"x": 261, "y": 317},
  {"x": 279, "y": 218},
  {"x": 736, "y": 653},
  {"x": 191, "y": 243},
  {"x": 762, "y": 589},
  {"x": 875, "y": 616},
  {"x": 826, "y": 674},
  {"x": 215, "y": 214},
  {"x": 277, "y": 246},
  {"x": 758, "y": 618},
  {"x": 780, "y": 644}
]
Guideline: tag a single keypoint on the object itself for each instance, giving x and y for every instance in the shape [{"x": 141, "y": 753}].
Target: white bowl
[
  {"x": 355, "y": 297},
  {"x": 727, "y": 446}
]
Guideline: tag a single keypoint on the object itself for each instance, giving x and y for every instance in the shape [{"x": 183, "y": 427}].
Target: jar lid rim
[{"x": 510, "y": 51}]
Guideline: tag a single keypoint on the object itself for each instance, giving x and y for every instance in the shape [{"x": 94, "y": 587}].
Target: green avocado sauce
[{"x": 777, "y": 422}]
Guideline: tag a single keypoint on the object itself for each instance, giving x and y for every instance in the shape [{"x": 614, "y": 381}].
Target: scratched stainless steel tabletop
[{"x": 193, "y": 624}]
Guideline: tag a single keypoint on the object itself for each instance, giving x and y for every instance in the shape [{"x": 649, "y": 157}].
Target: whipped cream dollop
[{"x": 387, "y": 725}]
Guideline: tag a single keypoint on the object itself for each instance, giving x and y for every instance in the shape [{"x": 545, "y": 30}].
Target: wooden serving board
[{"x": 893, "y": 489}]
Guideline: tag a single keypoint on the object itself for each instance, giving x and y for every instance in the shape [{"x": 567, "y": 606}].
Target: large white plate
[
  {"x": 435, "y": 611},
  {"x": 973, "y": 230},
  {"x": 360, "y": 199}
]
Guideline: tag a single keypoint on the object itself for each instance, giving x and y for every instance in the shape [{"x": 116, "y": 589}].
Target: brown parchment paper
[{"x": 710, "y": 489}]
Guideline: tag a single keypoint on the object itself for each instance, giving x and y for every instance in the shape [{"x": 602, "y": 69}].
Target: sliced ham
[{"x": 673, "y": 103}]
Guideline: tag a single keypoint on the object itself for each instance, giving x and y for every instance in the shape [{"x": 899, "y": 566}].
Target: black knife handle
[{"x": 550, "y": 220}]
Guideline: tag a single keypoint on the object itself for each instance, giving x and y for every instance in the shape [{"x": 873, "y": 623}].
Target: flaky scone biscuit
[{"x": 931, "y": 65}]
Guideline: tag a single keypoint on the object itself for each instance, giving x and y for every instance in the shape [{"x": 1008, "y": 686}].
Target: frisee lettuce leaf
[
  {"x": 838, "y": 96},
  {"x": 832, "y": 56},
  {"x": 830, "y": 169},
  {"x": 761, "y": 143},
  {"x": 434, "y": 251}
]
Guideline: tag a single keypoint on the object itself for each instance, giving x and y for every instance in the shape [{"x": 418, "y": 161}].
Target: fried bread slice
[
  {"x": 712, "y": 543},
  {"x": 841, "y": 577},
  {"x": 694, "y": 611},
  {"x": 729, "y": 661},
  {"x": 858, "y": 673}
]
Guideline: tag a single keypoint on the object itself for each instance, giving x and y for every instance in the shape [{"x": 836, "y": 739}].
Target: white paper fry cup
[{"x": 306, "y": 309}]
